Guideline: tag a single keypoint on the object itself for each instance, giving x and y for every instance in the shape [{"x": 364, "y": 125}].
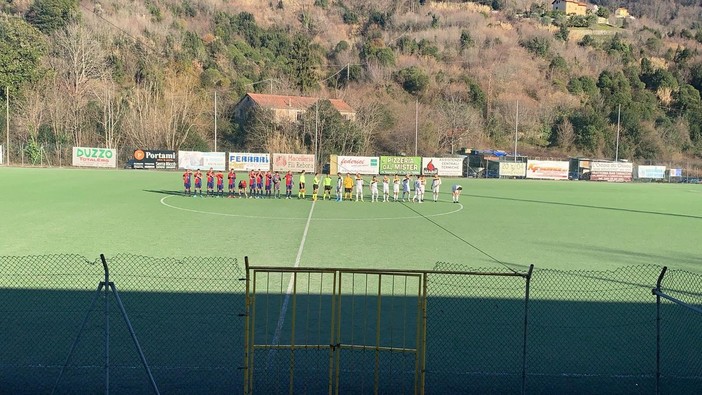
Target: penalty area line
[{"x": 286, "y": 301}]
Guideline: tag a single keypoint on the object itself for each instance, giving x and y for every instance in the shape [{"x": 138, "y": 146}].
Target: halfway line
[{"x": 286, "y": 301}]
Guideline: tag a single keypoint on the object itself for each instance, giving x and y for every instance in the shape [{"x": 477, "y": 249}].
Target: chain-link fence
[
  {"x": 475, "y": 330},
  {"x": 592, "y": 329},
  {"x": 185, "y": 313},
  {"x": 202, "y": 327},
  {"x": 679, "y": 331}
]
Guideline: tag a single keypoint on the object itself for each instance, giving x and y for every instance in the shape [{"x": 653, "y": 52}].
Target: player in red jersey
[
  {"x": 198, "y": 182},
  {"x": 242, "y": 188},
  {"x": 186, "y": 181},
  {"x": 252, "y": 184},
  {"x": 288, "y": 185},
  {"x": 220, "y": 184},
  {"x": 232, "y": 182},
  {"x": 210, "y": 182},
  {"x": 268, "y": 181},
  {"x": 259, "y": 184}
]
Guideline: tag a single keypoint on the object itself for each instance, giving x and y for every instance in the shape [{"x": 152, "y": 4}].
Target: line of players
[{"x": 268, "y": 184}]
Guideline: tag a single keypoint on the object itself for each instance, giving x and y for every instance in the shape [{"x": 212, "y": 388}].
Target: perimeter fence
[{"x": 138, "y": 324}]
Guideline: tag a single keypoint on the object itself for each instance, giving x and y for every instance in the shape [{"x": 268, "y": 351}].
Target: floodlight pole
[
  {"x": 619, "y": 118},
  {"x": 7, "y": 122},
  {"x": 215, "y": 121},
  {"x": 316, "y": 130},
  {"x": 516, "y": 129},
  {"x": 416, "y": 124}
]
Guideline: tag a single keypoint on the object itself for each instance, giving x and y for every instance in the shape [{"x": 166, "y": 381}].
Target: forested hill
[{"x": 144, "y": 74}]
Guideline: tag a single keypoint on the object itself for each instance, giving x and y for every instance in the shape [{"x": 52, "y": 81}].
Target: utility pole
[
  {"x": 215, "y": 120},
  {"x": 7, "y": 123},
  {"x": 619, "y": 119},
  {"x": 516, "y": 130},
  {"x": 416, "y": 124},
  {"x": 316, "y": 130}
]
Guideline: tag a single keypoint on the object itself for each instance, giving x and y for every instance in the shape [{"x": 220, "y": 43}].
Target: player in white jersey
[
  {"x": 386, "y": 189},
  {"x": 422, "y": 188},
  {"x": 374, "y": 189},
  {"x": 359, "y": 187},
  {"x": 339, "y": 187},
  {"x": 396, "y": 187},
  {"x": 417, "y": 190},
  {"x": 435, "y": 186},
  {"x": 406, "y": 187},
  {"x": 456, "y": 192}
]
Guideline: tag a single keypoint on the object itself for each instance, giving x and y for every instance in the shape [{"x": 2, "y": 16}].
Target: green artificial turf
[
  {"x": 562, "y": 225},
  {"x": 591, "y": 327}
]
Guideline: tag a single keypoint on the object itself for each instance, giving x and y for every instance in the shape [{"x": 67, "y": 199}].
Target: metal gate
[{"x": 333, "y": 331}]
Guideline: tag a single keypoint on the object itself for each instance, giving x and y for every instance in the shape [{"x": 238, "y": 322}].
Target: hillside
[{"x": 144, "y": 74}]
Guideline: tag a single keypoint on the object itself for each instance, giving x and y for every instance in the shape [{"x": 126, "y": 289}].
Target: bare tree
[
  {"x": 166, "y": 118},
  {"x": 185, "y": 110},
  {"x": 141, "y": 119},
  {"x": 457, "y": 120},
  {"x": 78, "y": 59},
  {"x": 565, "y": 135},
  {"x": 113, "y": 110},
  {"x": 30, "y": 114}
]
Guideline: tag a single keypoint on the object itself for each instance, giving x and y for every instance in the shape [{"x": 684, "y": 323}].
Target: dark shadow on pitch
[
  {"x": 584, "y": 206},
  {"x": 194, "y": 342},
  {"x": 166, "y": 192},
  {"x": 625, "y": 257}
]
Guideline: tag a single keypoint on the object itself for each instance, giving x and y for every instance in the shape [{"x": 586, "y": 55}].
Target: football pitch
[
  {"x": 557, "y": 225},
  {"x": 592, "y": 320}
]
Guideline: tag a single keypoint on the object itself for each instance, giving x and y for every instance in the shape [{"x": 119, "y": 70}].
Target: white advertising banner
[
  {"x": 244, "y": 161},
  {"x": 618, "y": 167},
  {"x": 357, "y": 164},
  {"x": 548, "y": 169},
  {"x": 656, "y": 172},
  {"x": 611, "y": 171},
  {"x": 194, "y": 160},
  {"x": 451, "y": 167},
  {"x": 2, "y": 157},
  {"x": 671, "y": 172},
  {"x": 293, "y": 162},
  {"x": 512, "y": 169},
  {"x": 94, "y": 157}
]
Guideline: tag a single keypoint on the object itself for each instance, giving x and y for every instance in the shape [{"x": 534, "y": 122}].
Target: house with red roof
[{"x": 287, "y": 108}]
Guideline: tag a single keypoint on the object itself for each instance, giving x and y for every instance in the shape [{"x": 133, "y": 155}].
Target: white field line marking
[
  {"x": 163, "y": 202},
  {"x": 286, "y": 301}
]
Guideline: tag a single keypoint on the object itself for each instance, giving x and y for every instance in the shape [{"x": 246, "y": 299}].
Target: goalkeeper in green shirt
[
  {"x": 301, "y": 191},
  {"x": 327, "y": 187},
  {"x": 315, "y": 187}
]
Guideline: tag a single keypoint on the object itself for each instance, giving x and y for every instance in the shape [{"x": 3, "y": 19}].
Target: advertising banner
[
  {"x": 675, "y": 172},
  {"x": 245, "y": 161},
  {"x": 293, "y": 162},
  {"x": 400, "y": 165},
  {"x": 450, "y": 167},
  {"x": 611, "y": 171},
  {"x": 357, "y": 164},
  {"x": 512, "y": 169},
  {"x": 94, "y": 157},
  {"x": 194, "y": 160},
  {"x": 154, "y": 159},
  {"x": 656, "y": 172},
  {"x": 2, "y": 157},
  {"x": 547, "y": 169},
  {"x": 619, "y": 167}
]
